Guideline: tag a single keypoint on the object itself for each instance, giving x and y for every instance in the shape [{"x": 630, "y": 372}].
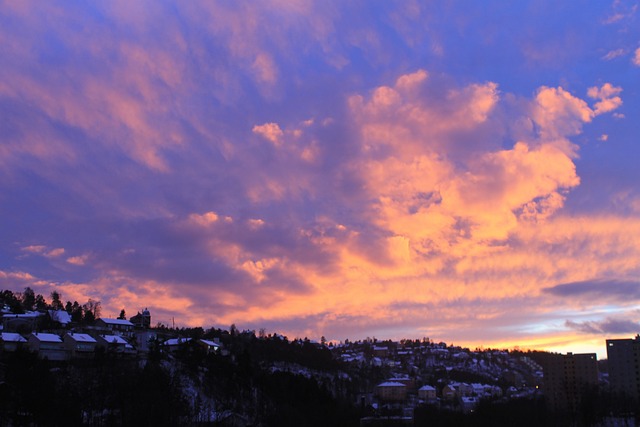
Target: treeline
[
  {"x": 105, "y": 391},
  {"x": 28, "y": 300},
  {"x": 267, "y": 381}
]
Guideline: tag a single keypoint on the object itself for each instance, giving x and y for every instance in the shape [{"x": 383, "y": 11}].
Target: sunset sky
[{"x": 464, "y": 171}]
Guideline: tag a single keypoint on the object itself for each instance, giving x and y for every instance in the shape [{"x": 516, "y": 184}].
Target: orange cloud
[
  {"x": 608, "y": 96},
  {"x": 490, "y": 228},
  {"x": 269, "y": 131}
]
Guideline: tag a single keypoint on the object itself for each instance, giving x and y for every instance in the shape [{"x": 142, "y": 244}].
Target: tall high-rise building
[
  {"x": 567, "y": 377},
  {"x": 624, "y": 369}
]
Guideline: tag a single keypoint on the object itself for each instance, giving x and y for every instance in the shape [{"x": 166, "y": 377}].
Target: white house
[
  {"x": 48, "y": 346},
  {"x": 115, "y": 343},
  {"x": 172, "y": 345},
  {"x": 80, "y": 346},
  {"x": 11, "y": 341},
  {"x": 60, "y": 316},
  {"x": 121, "y": 326}
]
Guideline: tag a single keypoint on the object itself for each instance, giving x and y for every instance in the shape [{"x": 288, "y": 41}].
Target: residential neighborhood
[
  {"x": 383, "y": 382},
  {"x": 63, "y": 340}
]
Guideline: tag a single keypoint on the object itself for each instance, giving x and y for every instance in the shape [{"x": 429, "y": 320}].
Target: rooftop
[
  {"x": 47, "y": 337},
  {"x": 121, "y": 322},
  {"x": 12, "y": 337},
  {"x": 115, "y": 339},
  {"x": 81, "y": 337}
]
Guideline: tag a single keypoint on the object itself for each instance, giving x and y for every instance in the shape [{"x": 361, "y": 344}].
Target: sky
[{"x": 463, "y": 171}]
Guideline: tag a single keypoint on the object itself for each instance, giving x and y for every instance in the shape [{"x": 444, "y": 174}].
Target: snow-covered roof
[
  {"x": 427, "y": 388},
  {"x": 47, "y": 337},
  {"x": 391, "y": 384},
  {"x": 210, "y": 343},
  {"x": 120, "y": 322},
  {"x": 28, "y": 315},
  {"x": 60, "y": 316},
  {"x": 461, "y": 355},
  {"x": 115, "y": 339},
  {"x": 176, "y": 341},
  {"x": 478, "y": 386},
  {"x": 81, "y": 337},
  {"x": 12, "y": 337}
]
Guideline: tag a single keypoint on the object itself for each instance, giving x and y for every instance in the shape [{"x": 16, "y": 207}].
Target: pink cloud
[
  {"x": 21, "y": 276},
  {"x": 35, "y": 249},
  {"x": 54, "y": 253},
  {"x": 78, "y": 260},
  {"x": 269, "y": 131},
  {"x": 559, "y": 114},
  {"x": 608, "y": 96}
]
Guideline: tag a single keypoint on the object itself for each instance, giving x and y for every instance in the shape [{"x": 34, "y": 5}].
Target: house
[
  {"x": 60, "y": 317},
  {"x": 409, "y": 382},
  {"x": 391, "y": 391},
  {"x": 80, "y": 346},
  {"x": 210, "y": 346},
  {"x": 115, "y": 344},
  {"x": 427, "y": 392},
  {"x": 172, "y": 345},
  {"x": 142, "y": 320},
  {"x": 450, "y": 392},
  {"x": 120, "y": 326},
  {"x": 485, "y": 390},
  {"x": 11, "y": 341},
  {"x": 379, "y": 351},
  {"x": 455, "y": 390},
  {"x": 21, "y": 323},
  {"x": 48, "y": 346}
]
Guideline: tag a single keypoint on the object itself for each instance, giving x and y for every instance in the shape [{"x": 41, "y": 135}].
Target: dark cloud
[
  {"x": 606, "y": 326},
  {"x": 605, "y": 289}
]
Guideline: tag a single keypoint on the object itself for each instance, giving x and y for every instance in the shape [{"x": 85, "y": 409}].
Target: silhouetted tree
[
  {"x": 122, "y": 315},
  {"x": 91, "y": 310},
  {"x": 28, "y": 299},
  {"x": 56, "y": 303},
  {"x": 41, "y": 303},
  {"x": 76, "y": 312},
  {"x": 12, "y": 301}
]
